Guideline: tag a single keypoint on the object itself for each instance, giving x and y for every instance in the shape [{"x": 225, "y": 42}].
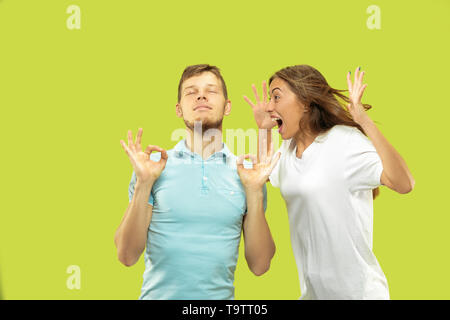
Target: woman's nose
[{"x": 270, "y": 106}]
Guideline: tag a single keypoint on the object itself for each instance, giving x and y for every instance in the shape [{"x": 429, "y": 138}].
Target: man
[{"x": 188, "y": 205}]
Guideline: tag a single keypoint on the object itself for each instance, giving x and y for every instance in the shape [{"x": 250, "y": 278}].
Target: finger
[
  {"x": 249, "y": 101},
  {"x": 164, "y": 156},
  {"x": 256, "y": 93},
  {"x": 263, "y": 152},
  {"x": 361, "y": 92},
  {"x": 129, "y": 152},
  {"x": 357, "y": 83},
  {"x": 361, "y": 76},
  {"x": 150, "y": 148},
  {"x": 274, "y": 161},
  {"x": 356, "y": 74},
  {"x": 267, "y": 156},
  {"x": 138, "y": 139},
  {"x": 271, "y": 150},
  {"x": 130, "y": 140},
  {"x": 163, "y": 160},
  {"x": 349, "y": 83},
  {"x": 124, "y": 146},
  {"x": 264, "y": 85},
  {"x": 240, "y": 162},
  {"x": 251, "y": 157}
]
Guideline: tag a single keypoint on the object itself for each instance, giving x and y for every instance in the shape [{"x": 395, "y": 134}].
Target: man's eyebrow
[
  {"x": 194, "y": 86},
  {"x": 190, "y": 87}
]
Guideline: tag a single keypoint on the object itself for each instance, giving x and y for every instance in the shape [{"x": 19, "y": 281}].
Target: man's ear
[
  {"x": 178, "y": 110},
  {"x": 227, "y": 108}
]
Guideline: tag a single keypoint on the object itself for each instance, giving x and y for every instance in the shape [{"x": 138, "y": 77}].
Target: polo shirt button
[
  {"x": 232, "y": 192},
  {"x": 205, "y": 178}
]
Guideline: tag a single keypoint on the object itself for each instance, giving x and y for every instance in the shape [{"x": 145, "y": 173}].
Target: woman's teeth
[{"x": 279, "y": 123}]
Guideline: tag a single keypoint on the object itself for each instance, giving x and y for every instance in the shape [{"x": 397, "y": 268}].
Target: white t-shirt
[{"x": 328, "y": 194}]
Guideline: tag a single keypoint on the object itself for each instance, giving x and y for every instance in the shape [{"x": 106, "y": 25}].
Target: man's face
[{"x": 202, "y": 100}]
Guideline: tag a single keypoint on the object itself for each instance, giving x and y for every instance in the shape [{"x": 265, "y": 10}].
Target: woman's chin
[{"x": 284, "y": 135}]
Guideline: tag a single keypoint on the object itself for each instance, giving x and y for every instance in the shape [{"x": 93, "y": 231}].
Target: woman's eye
[
  {"x": 212, "y": 92},
  {"x": 276, "y": 97}
]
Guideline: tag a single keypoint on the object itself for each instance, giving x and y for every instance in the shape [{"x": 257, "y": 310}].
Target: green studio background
[{"x": 67, "y": 97}]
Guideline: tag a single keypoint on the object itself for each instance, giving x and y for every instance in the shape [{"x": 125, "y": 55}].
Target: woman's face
[{"x": 285, "y": 108}]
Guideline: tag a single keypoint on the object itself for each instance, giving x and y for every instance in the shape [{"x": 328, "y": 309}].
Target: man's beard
[{"x": 205, "y": 125}]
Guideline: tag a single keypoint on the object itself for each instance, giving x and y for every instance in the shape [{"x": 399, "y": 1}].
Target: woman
[{"x": 333, "y": 159}]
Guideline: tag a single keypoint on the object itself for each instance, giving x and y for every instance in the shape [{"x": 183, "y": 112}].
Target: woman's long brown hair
[{"x": 325, "y": 104}]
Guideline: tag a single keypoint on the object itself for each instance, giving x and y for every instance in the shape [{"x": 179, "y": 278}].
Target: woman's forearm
[{"x": 396, "y": 174}]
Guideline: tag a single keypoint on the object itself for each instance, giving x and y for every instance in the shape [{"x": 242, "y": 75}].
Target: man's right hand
[
  {"x": 262, "y": 117},
  {"x": 146, "y": 170}
]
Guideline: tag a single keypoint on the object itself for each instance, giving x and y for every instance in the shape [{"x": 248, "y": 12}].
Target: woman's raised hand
[
  {"x": 356, "y": 90},
  {"x": 262, "y": 117},
  {"x": 146, "y": 170}
]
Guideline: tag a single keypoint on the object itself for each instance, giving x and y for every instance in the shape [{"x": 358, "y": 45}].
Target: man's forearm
[
  {"x": 131, "y": 236},
  {"x": 259, "y": 245}
]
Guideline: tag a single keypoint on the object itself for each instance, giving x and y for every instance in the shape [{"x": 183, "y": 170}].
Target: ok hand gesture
[
  {"x": 147, "y": 171},
  {"x": 253, "y": 179}
]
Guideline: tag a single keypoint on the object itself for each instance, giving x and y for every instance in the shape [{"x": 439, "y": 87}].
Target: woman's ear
[{"x": 312, "y": 105}]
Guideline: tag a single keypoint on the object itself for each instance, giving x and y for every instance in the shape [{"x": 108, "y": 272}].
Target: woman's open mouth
[{"x": 279, "y": 123}]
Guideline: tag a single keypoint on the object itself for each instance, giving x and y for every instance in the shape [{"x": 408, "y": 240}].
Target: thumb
[
  {"x": 164, "y": 156},
  {"x": 150, "y": 148},
  {"x": 240, "y": 162}
]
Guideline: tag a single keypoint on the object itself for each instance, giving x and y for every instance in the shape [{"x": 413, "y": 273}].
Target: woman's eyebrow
[{"x": 275, "y": 89}]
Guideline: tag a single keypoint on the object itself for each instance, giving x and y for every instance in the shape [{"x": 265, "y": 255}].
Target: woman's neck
[{"x": 304, "y": 140}]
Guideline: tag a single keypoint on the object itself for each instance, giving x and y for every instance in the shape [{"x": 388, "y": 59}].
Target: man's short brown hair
[{"x": 197, "y": 69}]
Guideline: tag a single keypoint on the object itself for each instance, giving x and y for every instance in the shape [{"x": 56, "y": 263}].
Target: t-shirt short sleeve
[
  {"x": 131, "y": 190},
  {"x": 363, "y": 166},
  {"x": 274, "y": 176}
]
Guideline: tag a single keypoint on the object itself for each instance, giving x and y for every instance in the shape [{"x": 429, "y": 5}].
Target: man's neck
[{"x": 205, "y": 144}]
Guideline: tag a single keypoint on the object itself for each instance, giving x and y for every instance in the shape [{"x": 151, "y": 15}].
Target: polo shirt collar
[{"x": 181, "y": 148}]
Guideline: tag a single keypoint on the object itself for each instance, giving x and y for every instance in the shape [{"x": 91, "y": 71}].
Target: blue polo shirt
[{"x": 193, "y": 237}]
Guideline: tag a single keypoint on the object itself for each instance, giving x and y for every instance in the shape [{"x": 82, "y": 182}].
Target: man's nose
[{"x": 201, "y": 96}]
